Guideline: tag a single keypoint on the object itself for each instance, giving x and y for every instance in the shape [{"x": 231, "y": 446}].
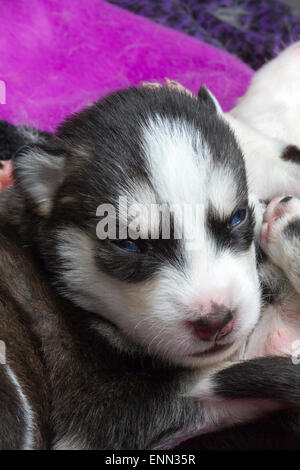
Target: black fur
[
  {"x": 269, "y": 377},
  {"x": 269, "y": 433},
  {"x": 286, "y": 199},
  {"x": 11, "y": 139},
  {"x": 292, "y": 229},
  {"x": 236, "y": 238},
  {"x": 291, "y": 154}
]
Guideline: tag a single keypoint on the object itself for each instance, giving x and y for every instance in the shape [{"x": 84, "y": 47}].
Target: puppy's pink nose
[{"x": 215, "y": 325}]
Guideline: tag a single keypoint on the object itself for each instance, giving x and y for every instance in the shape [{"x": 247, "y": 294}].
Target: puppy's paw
[
  {"x": 280, "y": 231},
  {"x": 280, "y": 342}
]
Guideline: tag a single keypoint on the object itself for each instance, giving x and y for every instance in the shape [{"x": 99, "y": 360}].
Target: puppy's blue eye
[
  {"x": 127, "y": 245},
  {"x": 238, "y": 217}
]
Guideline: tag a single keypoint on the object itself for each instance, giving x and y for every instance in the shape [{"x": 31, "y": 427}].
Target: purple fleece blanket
[{"x": 57, "y": 56}]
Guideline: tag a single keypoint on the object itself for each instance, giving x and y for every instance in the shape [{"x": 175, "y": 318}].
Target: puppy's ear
[
  {"x": 39, "y": 170},
  {"x": 207, "y": 96}
]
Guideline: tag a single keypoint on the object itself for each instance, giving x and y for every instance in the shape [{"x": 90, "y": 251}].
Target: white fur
[
  {"x": 267, "y": 174},
  {"x": 203, "y": 389},
  {"x": 272, "y": 102},
  {"x": 266, "y": 120},
  {"x": 174, "y": 162},
  {"x": 28, "y": 412}
]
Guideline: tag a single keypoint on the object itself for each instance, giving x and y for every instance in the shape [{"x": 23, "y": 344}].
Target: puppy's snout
[{"x": 215, "y": 325}]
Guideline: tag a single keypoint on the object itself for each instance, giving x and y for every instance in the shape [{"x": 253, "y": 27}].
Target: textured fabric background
[
  {"x": 254, "y": 30},
  {"x": 56, "y": 56}
]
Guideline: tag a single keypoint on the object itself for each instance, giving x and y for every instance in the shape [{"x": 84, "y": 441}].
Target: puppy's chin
[
  {"x": 206, "y": 358},
  {"x": 212, "y": 358}
]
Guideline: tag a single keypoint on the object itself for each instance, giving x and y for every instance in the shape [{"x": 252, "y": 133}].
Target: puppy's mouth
[{"x": 213, "y": 350}]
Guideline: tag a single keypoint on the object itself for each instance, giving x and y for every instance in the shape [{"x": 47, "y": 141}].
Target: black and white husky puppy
[{"x": 140, "y": 344}]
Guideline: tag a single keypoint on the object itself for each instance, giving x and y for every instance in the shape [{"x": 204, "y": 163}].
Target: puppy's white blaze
[
  {"x": 182, "y": 171},
  {"x": 28, "y": 443},
  {"x": 173, "y": 149},
  {"x": 222, "y": 191}
]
